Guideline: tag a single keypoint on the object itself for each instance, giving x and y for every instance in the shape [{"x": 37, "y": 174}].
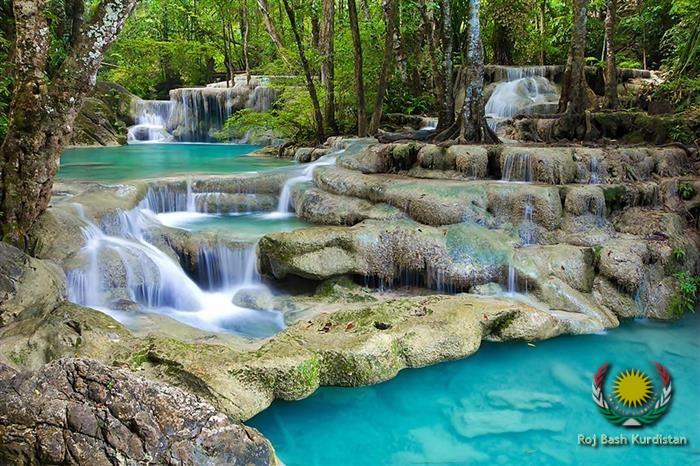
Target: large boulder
[
  {"x": 79, "y": 411},
  {"x": 27, "y": 284}
]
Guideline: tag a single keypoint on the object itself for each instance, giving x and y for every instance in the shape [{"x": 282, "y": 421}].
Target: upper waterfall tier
[{"x": 195, "y": 114}]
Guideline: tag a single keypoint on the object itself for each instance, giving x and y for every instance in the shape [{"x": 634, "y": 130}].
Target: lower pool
[{"x": 508, "y": 404}]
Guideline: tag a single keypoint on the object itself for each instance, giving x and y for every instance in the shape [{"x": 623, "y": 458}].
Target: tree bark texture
[
  {"x": 42, "y": 111},
  {"x": 310, "y": 86},
  {"x": 391, "y": 13},
  {"x": 359, "y": 77},
  {"x": 327, "y": 66},
  {"x": 610, "y": 65}
]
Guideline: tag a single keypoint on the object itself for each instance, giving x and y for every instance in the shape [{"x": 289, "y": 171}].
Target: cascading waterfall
[
  {"x": 525, "y": 91},
  {"x": 121, "y": 264},
  {"x": 196, "y": 114},
  {"x": 284, "y": 207}
]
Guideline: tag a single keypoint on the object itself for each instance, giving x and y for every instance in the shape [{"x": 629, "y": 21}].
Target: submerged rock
[
  {"x": 78, "y": 411},
  {"x": 258, "y": 298}
]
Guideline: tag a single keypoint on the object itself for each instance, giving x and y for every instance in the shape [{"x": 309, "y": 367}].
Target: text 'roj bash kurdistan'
[{"x": 362, "y": 232}]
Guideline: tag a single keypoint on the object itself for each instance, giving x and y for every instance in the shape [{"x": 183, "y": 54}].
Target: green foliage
[
  {"x": 686, "y": 190},
  {"x": 686, "y": 294},
  {"x": 678, "y": 253},
  {"x": 400, "y": 99},
  {"x": 682, "y": 92},
  {"x": 292, "y": 118}
]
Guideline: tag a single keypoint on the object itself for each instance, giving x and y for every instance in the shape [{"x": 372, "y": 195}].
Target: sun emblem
[
  {"x": 644, "y": 404},
  {"x": 633, "y": 388}
]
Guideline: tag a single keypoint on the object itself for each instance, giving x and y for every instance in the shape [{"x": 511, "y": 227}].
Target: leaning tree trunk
[
  {"x": 42, "y": 111},
  {"x": 611, "y": 100},
  {"x": 391, "y": 12},
  {"x": 359, "y": 77},
  {"x": 264, "y": 8},
  {"x": 447, "y": 107},
  {"x": 327, "y": 66},
  {"x": 310, "y": 86},
  {"x": 471, "y": 124}
]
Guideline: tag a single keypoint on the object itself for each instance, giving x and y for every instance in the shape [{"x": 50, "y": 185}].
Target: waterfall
[
  {"x": 123, "y": 262},
  {"x": 512, "y": 282},
  {"x": 429, "y": 123},
  {"x": 525, "y": 91},
  {"x": 164, "y": 199},
  {"x": 221, "y": 267},
  {"x": 196, "y": 114},
  {"x": 596, "y": 171},
  {"x": 517, "y": 166},
  {"x": 527, "y": 227},
  {"x": 120, "y": 263},
  {"x": 284, "y": 207},
  {"x": 151, "y": 118}
]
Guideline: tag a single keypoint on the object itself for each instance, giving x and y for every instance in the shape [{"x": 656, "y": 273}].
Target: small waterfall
[
  {"x": 164, "y": 199},
  {"x": 221, "y": 267},
  {"x": 151, "y": 121},
  {"x": 512, "y": 279},
  {"x": 128, "y": 267},
  {"x": 517, "y": 167},
  {"x": 596, "y": 171},
  {"x": 527, "y": 227},
  {"x": 429, "y": 123},
  {"x": 285, "y": 201}
]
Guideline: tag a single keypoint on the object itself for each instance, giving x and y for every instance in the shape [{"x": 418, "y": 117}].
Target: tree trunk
[
  {"x": 327, "y": 66},
  {"x": 311, "y": 87},
  {"x": 543, "y": 5},
  {"x": 610, "y": 66},
  {"x": 447, "y": 113},
  {"x": 572, "y": 124},
  {"x": 390, "y": 12},
  {"x": 269, "y": 24},
  {"x": 245, "y": 22},
  {"x": 471, "y": 125},
  {"x": 359, "y": 77},
  {"x": 42, "y": 112},
  {"x": 502, "y": 44}
]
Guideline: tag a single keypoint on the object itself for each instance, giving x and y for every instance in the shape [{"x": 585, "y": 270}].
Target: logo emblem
[{"x": 634, "y": 402}]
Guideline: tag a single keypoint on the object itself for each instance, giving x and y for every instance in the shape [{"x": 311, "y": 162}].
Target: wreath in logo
[{"x": 637, "y": 393}]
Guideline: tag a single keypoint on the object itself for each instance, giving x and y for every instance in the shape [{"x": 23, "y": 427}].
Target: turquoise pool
[
  {"x": 142, "y": 161},
  {"x": 508, "y": 404}
]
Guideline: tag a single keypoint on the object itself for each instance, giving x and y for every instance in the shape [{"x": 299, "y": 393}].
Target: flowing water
[
  {"x": 510, "y": 403},
  {"x": 284, "y": 207},
  {"x": 123, "y": 163},
  {"x": 122, "y": 264},
  {"x": 524, "y": 91},
  {"x": 196, "y": 114}
]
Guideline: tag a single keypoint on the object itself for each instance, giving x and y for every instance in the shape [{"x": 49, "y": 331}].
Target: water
[
  {"x": 527, "y": 227},
  {"x": 120, "y": 263},
  {"x": 196, "y": 114},
  {"x": 596, "y": 171},
  {"x": 142, "y": 161},
  {"x": 508, "y": 404},
  {"x": 244, "y": 227},
  {"x": 284, "y": 207},
  {"x": 151, "y": 121},
  {"x": 525, "y": 91},
  {"x": 517, "y": 166}
]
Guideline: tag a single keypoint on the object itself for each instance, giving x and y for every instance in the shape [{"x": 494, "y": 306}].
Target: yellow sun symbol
[{"x": 633, "y": 388}]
